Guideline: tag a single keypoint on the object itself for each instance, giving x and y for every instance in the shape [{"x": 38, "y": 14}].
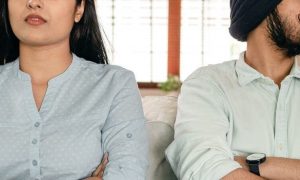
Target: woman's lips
[{"x": 35, "y": 20}]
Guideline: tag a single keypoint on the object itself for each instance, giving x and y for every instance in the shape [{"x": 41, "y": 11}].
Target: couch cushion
[{"x": 160, "y": 112}]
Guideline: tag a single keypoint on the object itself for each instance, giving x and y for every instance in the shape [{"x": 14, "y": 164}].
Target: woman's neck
[{"x": 43, "y": 63}]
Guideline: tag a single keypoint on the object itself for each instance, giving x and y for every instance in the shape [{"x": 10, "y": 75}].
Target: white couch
[{"x": 160, "y": 112}]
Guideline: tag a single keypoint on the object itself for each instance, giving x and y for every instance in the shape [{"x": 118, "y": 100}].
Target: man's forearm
[
  {"x": 241, "y": 174},
  {"x": 280, "y": 168}
]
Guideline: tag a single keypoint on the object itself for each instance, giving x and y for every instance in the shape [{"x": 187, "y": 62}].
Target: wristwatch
[{"x": 254, "y": 160}]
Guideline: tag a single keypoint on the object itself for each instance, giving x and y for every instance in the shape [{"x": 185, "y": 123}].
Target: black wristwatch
[{"x": 254, "y": 160}]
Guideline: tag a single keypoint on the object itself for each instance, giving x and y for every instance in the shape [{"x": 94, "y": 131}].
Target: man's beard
[{"x": 282, "y": 35}]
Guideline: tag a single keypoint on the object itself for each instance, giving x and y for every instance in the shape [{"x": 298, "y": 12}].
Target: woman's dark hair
[{"x": 85, "y": 39}]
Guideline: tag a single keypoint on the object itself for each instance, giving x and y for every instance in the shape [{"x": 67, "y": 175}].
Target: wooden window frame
[{"x": 173, "y": 42}]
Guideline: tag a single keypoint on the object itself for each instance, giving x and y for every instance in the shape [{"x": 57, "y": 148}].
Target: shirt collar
[
  {"x": 246, "y": 74},
  {"x": 295, "y": 71},
  {"x": 56, "y": 80}
]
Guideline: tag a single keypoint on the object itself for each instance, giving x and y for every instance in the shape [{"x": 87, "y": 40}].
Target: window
[
  {"x": 205, "y": 37},
  {"x": 138, "y": 32}
]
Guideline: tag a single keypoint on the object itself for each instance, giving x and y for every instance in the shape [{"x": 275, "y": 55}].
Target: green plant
[{"x": 173, "y": 83}]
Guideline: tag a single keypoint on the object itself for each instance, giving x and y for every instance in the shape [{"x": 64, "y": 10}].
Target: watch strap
[{"x": 254, "y": 168}]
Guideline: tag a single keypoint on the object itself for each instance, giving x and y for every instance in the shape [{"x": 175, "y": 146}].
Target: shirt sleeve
[
  {"x": 124, "y": 133},
  {"x": 200, "y": 150}
]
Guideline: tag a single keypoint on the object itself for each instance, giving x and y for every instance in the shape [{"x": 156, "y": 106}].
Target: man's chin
[
  {"x": 291, "y": 50},
  {"x": 287, "y": 46}
]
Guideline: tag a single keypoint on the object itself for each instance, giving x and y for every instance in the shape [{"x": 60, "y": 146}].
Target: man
[{"x": 240, "y": 119}]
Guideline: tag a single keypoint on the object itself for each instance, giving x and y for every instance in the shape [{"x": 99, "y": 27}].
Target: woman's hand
[{"x": 98, "y": 173}]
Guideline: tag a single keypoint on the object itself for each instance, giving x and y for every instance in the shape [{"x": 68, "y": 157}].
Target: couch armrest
[{"x": 160, "y": 112}]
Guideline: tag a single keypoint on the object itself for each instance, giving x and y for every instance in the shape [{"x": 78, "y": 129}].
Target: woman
[{"x": 62, "y": 106}]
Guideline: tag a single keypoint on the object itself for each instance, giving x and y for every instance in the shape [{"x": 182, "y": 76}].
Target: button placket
[
  {"x": 35, "y": 149},
  {"x": 281, "y": 127},
  {"x": 34, "y": 145}
]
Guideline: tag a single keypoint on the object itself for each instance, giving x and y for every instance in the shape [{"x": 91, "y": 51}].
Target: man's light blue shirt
[{"x": 231, "y": 109}]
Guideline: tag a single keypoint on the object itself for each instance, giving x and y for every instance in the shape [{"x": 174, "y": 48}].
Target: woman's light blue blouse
[{"x": 88, "y": 110}]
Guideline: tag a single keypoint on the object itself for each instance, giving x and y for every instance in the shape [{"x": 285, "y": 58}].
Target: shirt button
[
  {"x": 34, "y": 141},
  {"x": 129, "y": 135},
  {"x": 37, "y": 124},
  {"x": 34, "y": 163}
]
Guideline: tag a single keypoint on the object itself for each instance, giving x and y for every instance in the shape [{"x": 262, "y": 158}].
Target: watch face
[{"x": 255, "y": 157}]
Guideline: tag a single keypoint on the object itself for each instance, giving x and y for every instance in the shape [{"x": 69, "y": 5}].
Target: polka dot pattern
[{"x": 81, "y": 118}]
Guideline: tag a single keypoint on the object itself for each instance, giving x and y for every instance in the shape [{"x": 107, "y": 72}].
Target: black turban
[{"x": 246, "y": 15}]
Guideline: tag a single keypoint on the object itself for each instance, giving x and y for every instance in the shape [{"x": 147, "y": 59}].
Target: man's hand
[
  {"x": 275, "y": 168},
  {"x": 242, "y": 161},
  {"x": 98, "y": 173}
]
